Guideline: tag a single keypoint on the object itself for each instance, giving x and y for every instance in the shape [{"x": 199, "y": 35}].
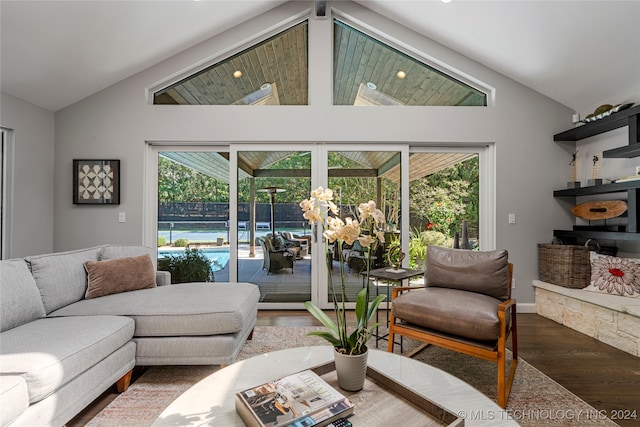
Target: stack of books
[{"x": 302, "y": 399}]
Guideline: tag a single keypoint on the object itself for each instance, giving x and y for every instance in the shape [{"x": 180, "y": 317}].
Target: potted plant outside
[
  {"x": 368, "y": 231},
  {"x": 190, "y": 266}
]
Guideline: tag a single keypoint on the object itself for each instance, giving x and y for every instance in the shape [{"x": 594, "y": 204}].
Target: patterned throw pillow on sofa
[{"x": 614, "y": 275}]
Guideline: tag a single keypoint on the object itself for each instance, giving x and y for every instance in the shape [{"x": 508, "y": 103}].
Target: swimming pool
[{"x": 219, "y": 257}]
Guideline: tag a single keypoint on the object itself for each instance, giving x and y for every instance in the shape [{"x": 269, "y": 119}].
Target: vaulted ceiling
[{"x": 580, "y": 53}]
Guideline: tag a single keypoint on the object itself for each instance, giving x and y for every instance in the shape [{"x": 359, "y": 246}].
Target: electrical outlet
[
  {"x": 122, "y": 217},
  {"x": 513, "y": 283},
  {"x": 512, "y": 218}
]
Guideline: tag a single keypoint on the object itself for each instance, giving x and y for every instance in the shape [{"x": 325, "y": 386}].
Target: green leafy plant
[
  {"x": 181, "y": 243},
  {"x": 190, "y": 266},
  {"x": 368, "y": 230},
  {"x": 420, "y": 240},
  {"x": 162, "y": 241}
]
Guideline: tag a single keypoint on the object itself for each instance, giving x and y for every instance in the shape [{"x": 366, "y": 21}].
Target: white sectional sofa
[{"x": 60, "y": 350}]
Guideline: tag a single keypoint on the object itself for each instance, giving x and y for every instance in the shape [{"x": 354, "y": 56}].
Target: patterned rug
[{"x": 536, "y": 400}]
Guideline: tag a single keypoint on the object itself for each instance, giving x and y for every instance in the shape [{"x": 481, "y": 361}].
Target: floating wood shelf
[
  {"x": 628, "y": 117},
  {"x": 631, "y": 118}
]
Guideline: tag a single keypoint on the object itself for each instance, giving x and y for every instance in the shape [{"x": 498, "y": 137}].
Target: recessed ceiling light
[
  {"x": 237, "y": 74},
  {"x": 372, "y": 85},
  {"x": 401, "y": 74},
  {"x": 446, "y": 1}
]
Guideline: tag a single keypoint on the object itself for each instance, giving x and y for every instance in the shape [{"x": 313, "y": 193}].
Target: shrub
[
  {"x": 190, "y": 266},
  {"x": 181, "y": 243},
  {"x": 420, "y": 240},
  {"x": 162, "y": 241}
]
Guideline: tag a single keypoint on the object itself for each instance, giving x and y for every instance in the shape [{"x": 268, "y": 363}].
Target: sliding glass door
[
  {"x": 359, "y": 175},
  {"x": 273, "y": 241},
  {"x": 239, "y": 206},
  {"x": 277, "y": 249}
]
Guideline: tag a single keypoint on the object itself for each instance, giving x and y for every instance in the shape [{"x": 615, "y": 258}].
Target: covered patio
[{"x": 285, "y": 177}]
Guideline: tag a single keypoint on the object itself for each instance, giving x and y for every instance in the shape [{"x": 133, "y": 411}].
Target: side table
[{"x": 395, "y": 277}]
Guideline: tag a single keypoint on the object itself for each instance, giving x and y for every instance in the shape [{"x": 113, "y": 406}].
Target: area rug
[{"x": 536, "y": 400}]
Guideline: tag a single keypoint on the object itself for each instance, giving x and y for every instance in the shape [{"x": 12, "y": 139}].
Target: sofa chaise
[{"x": 74, "y": 323}]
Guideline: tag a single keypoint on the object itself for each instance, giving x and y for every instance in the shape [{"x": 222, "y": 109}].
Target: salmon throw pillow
[{"x": 119, "y": 275}]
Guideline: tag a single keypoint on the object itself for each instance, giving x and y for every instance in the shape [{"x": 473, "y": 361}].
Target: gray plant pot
[{"x": 351, "y": 370}]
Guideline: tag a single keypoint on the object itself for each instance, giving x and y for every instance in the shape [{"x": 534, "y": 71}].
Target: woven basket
[{"x": 564, "y": 265}]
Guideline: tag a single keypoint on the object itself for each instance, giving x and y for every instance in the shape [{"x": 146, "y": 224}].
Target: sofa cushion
[
  {"x": 485, "y": 272},
  {"x": 49, "y": 353},
  {"x": 476, "y": 315},
  {"x": 119, "y": 275},
  {"x": 14, "y": 398},
  {"x": 176, "y": 310},
  {"x": 125, "y": 251},
  {"x": 61, "y": 277},
  {"x": 20, "y": 302}
]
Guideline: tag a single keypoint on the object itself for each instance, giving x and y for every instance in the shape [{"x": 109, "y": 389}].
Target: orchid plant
[{"x": 368, "y": 230}]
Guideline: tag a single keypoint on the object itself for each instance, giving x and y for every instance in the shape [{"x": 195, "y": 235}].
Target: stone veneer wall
[{"x": 614, "y": 320}]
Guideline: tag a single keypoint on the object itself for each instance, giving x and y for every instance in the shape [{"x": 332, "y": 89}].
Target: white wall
[
  {"x": 32, "y": 165},
  {"x": 117, "y": 122}
]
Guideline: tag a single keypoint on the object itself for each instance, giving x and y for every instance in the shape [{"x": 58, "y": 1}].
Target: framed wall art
[{"x": 96, "y": 182}]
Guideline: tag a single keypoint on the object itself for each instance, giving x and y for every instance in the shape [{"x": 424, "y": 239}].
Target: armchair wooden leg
[
  {"x": 123, "y": 383},
  {"x": 502, "y": 401},
  {"x": 250, "y": 337},
  {"x": 391, "y": 336},
  {"x": 504, "y": 386}
]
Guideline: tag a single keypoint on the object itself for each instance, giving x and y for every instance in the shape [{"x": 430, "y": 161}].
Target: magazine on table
[
  {"x": 326, "y": 416},
  {"x": 292, "y": 398}
]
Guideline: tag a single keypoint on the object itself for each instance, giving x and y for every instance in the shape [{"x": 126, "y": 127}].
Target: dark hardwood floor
[{"x": 603, "y": 376}]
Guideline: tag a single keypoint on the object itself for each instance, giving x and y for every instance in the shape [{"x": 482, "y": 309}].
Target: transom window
[
  {"x": 273, "y": 72},
  {"x": 369, "y": 72},
  {"x": 366, "y": 72}
]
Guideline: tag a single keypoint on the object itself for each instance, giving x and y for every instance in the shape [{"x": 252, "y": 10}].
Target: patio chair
[
  {"x": 465, "y": 306},
  {"x": 275, "y": 259},
  {"x": 302, "y": 243}
]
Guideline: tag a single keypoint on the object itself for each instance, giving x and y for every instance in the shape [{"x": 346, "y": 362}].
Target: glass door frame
[
  {"x": 322, "y": 295},
  {"x": 320, "y": 177},
  {"x": 316, "y": 260},
  {"x": 487, "y": 178},
  {"x": 150, "y": 193}
]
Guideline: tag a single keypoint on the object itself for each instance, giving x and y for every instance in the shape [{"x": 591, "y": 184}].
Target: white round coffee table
[{"x": 211, "y": 401}]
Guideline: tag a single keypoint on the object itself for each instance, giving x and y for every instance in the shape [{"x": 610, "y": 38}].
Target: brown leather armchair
[{"x": 465, "y": 306}]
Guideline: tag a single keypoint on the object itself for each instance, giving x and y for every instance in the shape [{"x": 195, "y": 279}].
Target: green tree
[
  {"x": 447, "y": 197},
  {"x": 178, "y": 183}
]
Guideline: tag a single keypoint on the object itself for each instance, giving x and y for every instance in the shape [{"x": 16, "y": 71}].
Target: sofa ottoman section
[
  {"x": 220, "y": 349},
  {"x": 189, "y": 323},
  {"x": 50, "y": 353},
  {"x": 176, "y": 310}
]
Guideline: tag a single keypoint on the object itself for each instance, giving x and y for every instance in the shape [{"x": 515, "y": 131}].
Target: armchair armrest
[
  {"x": 397, "y": 290},
  {"x": 506, "y": 304}
]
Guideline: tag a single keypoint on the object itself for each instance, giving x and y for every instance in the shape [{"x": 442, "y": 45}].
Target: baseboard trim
[{"x": 526, "y": 307}]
